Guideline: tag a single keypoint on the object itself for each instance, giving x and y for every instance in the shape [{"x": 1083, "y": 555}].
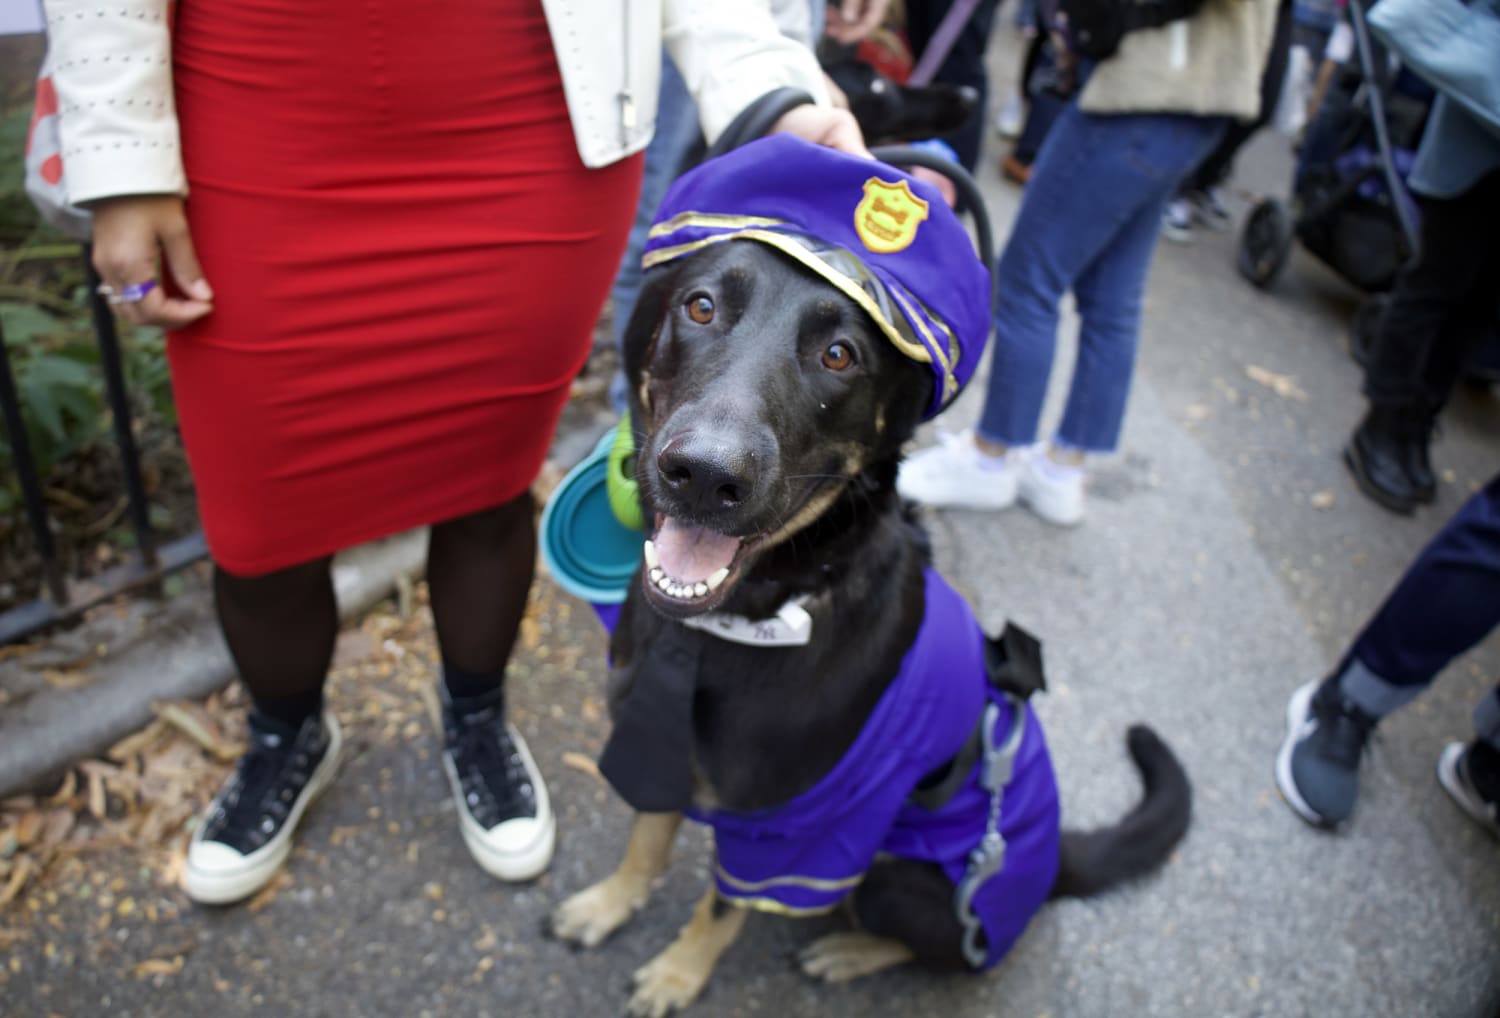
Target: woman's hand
[
  {"x": 133, "y": 232},
  {"x": 824, "y": 126}
]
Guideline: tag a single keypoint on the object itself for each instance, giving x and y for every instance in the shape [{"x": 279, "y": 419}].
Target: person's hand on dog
[
  {"x": 130, "y": 233},
  {"x": 824, "y": 125},
  {"x": 853, "y": 20}
]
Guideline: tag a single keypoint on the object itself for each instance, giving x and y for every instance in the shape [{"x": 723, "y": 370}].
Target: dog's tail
[{"x": 1094, "y": 861}]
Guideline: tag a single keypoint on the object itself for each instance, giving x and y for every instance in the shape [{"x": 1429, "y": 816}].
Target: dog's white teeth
[
  {"x": 664, "y": 583},
  {"x": 717, "y": 578},
  {"x": 700, "y": 589},
  {"x": 656, "y": 574},
  {"x": 653, "y": 560}
]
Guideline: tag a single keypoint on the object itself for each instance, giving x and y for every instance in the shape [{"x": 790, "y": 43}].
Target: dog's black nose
[{"x": 706, "y": 475}]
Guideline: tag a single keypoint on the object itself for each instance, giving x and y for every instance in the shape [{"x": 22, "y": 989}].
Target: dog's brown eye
[
  {"x": 837, "y": 357},
  {"x": 701, "y": 310}
]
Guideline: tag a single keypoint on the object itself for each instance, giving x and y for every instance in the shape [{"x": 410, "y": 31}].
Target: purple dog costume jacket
[{"x": 805, "y": 856}]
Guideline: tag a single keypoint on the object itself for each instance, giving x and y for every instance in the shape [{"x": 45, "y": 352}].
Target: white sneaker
[
  {"x": 1177, "y": 221},
  {"x": 1052, "y": 490},
  {"x": 957, "y": 474},
  {"x": 1011, "y": 118}
]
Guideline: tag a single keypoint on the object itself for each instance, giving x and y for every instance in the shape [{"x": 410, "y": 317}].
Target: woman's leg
[
  {"x": 280, "y": 628},
  {"x": 1094, "y": 177},
  {"x": 1109, "y": 290},
  {"x": 479, "y": 571}
]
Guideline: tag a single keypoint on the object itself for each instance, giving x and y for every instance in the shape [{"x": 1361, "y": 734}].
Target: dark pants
[
  {"x": 1443, "y": 297},
  {"x": 1447, "y": 601},
  {"x": 964, "y": 64}
]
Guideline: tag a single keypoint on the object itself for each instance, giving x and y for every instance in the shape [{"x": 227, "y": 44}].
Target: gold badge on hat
[{"x": 887, "y": 217}]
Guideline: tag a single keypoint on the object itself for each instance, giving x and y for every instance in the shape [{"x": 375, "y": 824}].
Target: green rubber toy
[{"x": 620, "y": 484}]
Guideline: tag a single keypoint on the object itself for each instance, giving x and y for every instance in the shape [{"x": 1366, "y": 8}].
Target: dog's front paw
[
  {"x": 667, "y": 983},
  {"x": 840, "y": 957},
  {"x": 590, "y": 916}
]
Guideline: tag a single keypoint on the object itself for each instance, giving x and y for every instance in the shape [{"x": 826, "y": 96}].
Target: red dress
[{"x": 407, "y": 257}]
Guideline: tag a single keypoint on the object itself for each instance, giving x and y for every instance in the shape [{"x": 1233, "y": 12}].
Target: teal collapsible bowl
[{"x": 588, "y": 551}]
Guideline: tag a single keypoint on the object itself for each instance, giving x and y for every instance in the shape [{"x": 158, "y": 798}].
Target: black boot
[
  {"x": 1379, "y": 454},
  {"x": 1421, "y": 421}
]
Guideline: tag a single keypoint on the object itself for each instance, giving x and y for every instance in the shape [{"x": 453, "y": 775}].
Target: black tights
[{"x": 281, "y": 626}]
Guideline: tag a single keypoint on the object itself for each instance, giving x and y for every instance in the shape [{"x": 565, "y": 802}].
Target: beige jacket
[
  {"x": 1209, "y": 63},
  {"x": 112, "y": 66}
]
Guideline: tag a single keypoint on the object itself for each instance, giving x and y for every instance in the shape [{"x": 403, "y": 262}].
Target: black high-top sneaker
[
  {"x": 246, "y": 834},
  {"x": 504, "y": 813}
]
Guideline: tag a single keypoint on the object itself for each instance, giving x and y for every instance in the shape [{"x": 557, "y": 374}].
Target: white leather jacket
[{"x": 111, "y": 64}]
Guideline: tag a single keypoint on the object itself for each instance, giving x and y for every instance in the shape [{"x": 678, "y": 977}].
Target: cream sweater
[{"x": 1210, "y": 63}]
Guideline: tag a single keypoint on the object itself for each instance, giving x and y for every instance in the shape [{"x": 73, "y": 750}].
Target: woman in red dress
[{"x": 411, "y": 222}]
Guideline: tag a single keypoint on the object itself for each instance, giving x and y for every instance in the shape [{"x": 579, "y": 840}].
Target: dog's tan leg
[
  {"x": 840, "y": 957},
  {"x": 590, "y": 916},
  {"x": 674, "y": 978}
]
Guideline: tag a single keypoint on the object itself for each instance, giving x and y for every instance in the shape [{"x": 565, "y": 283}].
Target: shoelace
[
  {"x": 1345, "y": 735},
  {"x": 246, "y": 809},
  {"x": 483, "y": 749}
]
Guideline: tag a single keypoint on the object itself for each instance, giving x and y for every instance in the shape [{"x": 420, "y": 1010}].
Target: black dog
[
  {"x": 770, "y": 414},
  {"x": 889, "y": 112}
]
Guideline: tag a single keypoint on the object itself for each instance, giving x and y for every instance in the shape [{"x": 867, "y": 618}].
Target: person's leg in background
[
  {"x": 964, "y": 64},
  {"x": 1198, "y": 199},
  {"x": 677, "y": 134},
  {"x": 1087, "y": 222},
  {"x": 1446, "y": 602},
  {"x": 1416, "y": 351}
]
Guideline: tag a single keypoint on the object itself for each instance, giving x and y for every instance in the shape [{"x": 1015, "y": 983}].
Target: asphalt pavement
[{"x": 1226, "y": 559}]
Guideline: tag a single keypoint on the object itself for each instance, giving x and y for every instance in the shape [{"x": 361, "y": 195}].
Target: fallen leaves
[
  {"x": 582, "y": 764},
  {"x": 159, "y": 967},
  {"x": 1284, "y": 386},
  {"x": 194, "y": 722}
]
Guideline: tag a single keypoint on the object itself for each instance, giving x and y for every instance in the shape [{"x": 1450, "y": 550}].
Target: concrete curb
[{"x": 178, "y": 653}]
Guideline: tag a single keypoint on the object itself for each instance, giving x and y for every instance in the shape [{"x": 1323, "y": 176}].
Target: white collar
[{"x": 791, "y": 626}]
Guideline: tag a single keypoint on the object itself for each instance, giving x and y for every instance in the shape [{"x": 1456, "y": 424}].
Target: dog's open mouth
[{"x": 691, "y": 569}]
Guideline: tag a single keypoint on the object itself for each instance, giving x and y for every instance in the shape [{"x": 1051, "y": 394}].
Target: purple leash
[{"x": 942, "y": 41}]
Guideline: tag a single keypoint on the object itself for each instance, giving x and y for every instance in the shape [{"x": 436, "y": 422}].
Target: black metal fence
[{"x": 150, "y": 561}]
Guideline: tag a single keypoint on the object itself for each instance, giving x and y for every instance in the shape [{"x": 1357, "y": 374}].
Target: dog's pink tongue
[{"x": 691, "y": 554}]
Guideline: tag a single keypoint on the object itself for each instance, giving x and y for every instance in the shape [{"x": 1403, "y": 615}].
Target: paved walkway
[{"x": 1226, "y": 559}]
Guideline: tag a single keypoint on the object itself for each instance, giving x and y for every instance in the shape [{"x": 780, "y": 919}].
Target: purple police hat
[{"x": 883, "y": 238}]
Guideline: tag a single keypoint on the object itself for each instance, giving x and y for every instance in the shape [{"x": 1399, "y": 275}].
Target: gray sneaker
[{"x": 1317, "y": 769}]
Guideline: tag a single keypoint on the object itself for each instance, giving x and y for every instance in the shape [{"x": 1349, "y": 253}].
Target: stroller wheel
[{"x": 1265, "y": 242}]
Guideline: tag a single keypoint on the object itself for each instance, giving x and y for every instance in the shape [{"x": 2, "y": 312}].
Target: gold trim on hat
[{"x": 710, "y": 219}]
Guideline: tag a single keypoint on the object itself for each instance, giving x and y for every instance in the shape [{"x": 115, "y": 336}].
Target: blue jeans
[
  {"x": 677, "y": 131},
  {"x": 1088, "y": 222},
  {"x": 1447, "y": 601}
]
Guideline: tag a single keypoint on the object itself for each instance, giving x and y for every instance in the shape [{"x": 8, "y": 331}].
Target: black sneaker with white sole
[
  {"x": 1470, "y": 774},
  {"x": 1317, "y": 768},
  {"x": 246, "y": 834},
  {"x": 504, "y": 812}
]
